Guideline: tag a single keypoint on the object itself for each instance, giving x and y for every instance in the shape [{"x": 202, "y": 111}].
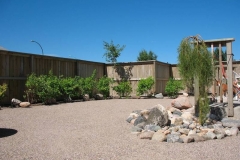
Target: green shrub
[
  {"x": 68, "y": 88},
  {"x": 49, "y": 88},
  {"x": 3, "y": 89},
  {"x": 32, "y": 85},
  {"x": 145, "y": 85},
  {"x": 103, "y": 86},
  {"x": 173, "y": 87},
  {"x": 89, "y": 84},
  {"x": 123, "y": 89}
]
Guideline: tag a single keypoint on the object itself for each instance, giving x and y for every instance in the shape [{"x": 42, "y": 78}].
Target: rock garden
[{"x": 178, "y": 123}]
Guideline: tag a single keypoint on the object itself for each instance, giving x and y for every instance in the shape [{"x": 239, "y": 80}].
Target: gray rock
[
  {"x": 15, "y": 102},
  {"x": 139, "y": 120},
  {"x": 220, "y": 136},
  {"x": 137, "y": 112},
  {"x": 141, "y": 125},
  {"x": 234, "y": 131},
  {"x": 160, "y": 96},
  {"x": 210, "y": 135},
  {"x": 237, "y": 112},
  {"x": 157, "y": 117},
  {"x": 226, "y": 122},
  {"x": 172, "y": 138},
  {"x": 217, "y": 113},
  {"x": 176, "y": 121},
  {"x": 151, "y": 127},
  {"x": 177, "y": 112},
  {"x": 99, "y": 96},
  {"x": 129, "y": 119},
  {"x": 136, "y": 129}
]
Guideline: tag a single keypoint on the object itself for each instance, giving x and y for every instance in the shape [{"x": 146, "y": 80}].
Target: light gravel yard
[{"x": 95, "y": 130}]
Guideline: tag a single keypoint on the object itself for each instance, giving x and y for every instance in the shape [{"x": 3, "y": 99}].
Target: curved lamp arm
[{"x": 39, "y": 45}]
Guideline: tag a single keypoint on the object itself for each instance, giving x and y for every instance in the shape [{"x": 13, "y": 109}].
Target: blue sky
[{"x": 77, "y": 28}]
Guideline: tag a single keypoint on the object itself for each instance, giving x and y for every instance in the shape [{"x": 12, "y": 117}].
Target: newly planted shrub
[
  {"x": 145, "y": 85},
  {"x": 173, "y": 87},
  {"x": 124, "y": 88}
]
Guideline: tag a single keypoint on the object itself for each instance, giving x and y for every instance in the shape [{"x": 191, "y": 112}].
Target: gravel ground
[{"x": 96, "y": 130}]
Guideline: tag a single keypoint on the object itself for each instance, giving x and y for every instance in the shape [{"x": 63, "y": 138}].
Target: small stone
[
  {"x": 192, "y": 126},
  {"x": 134, "y": 115},
  {"x": 187, "y": 116},
  {"x": 136, "y": 129},
  {"x": 139, "y": 119},
  {"x": 146, "y": 135},
  {"x": 160, "y": 96},
  {"x": 197, "y": 138},
  {"x": 177, "y": 121},
  {"x": 220, "y": 136},
  {"x": 177, "y": 112},
  {"x": 172, "y": 138},
  {"x": 191, "y": 132},
  {"x": 227, "y": 132},
  {"x": 234, "y": 131},
  {"x": 129, "y": 119},
  {"x": 184, "y": 131},
  {"x": 187, "y": 139},
  {"x": 159, "y": 136}
]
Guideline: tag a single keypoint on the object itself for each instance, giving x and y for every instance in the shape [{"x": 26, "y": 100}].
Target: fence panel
[{"x": 16, "y": 66}]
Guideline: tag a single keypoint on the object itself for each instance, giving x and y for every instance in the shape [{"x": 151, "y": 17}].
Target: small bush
[
  {"x": 32, "y": 85},
  {"x": 3, "y": 89},
  {"x": 49, "y": 88},
  {"x": 68, "y": 88},
  {"x": 145, "y": 85},
  {"x": 103, "y": 86},
  {"x": 123, "y": 89},
  {"x": 173, "y": 87}
]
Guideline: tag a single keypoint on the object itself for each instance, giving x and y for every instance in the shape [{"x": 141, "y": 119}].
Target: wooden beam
[{"x": 230, "y": 80}]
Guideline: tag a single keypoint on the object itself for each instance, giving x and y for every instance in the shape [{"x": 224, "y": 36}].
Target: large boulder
[
  {"x": 181, "y": 103},
  {"x": 158, "y": 117},
  {"x": 24, "y": 104}
]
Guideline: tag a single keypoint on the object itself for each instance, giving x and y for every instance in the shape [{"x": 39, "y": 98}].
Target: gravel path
[{"x": 96, "y": 130}]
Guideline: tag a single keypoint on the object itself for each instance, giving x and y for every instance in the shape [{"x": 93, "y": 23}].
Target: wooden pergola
[{"x": 225, "y": 42}]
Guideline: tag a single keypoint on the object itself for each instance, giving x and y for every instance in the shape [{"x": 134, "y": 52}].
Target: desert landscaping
[{"x": 97, "y": 130}]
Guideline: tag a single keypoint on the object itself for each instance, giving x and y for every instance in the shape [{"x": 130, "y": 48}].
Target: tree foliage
[
  {"x": 196, "y": 62},
  {"x": 145, "y": 56},
  {"x": 216, "y": 55},
  {"x": 112, "y": 51}
]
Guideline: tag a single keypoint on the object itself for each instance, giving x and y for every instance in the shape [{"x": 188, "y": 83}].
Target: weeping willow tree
[{"x": 196, "y": 65}]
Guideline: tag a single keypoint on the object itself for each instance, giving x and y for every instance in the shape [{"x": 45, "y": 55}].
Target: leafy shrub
[
  {"x": 145, "y": 85},
  {"x": 33, "y": 85},
  {"x": 89, "y": 84},
  {"x": 173, "y": 87},
  {"x": 49, "y": 88},
  {"x": 124, "y": 88},
  {"x": 68, "y": 88},
  {"x": 3, "y": 89},
  {"x": 103, "y": 86}
]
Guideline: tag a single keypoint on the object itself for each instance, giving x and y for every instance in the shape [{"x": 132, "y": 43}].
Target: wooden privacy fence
[
  {"x": 15, "y": 67},
  {"x": 134, "y": 71}
]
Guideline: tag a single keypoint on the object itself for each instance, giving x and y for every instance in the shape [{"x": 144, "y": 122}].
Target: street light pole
[{"x": 38, "y": 44}]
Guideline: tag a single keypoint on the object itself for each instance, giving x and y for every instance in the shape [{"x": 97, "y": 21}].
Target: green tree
[
  {"x": 112, "y": 51},
  {"x": 196, "y": 62},
  {"x": 145, "y": 56}
]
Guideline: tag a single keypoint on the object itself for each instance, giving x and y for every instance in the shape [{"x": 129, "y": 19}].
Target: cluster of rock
[
  {"x": 17, "y": 103},
  {"x": 178, "y": 123}
]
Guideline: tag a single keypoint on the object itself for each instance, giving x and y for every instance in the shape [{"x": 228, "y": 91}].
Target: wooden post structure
[
  {"x": 221, "y": 74},
  {"x": 230, "y": 79}
]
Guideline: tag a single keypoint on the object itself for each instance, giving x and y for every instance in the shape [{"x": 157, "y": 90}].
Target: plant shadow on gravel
[{"x": 5, "y": 132}]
